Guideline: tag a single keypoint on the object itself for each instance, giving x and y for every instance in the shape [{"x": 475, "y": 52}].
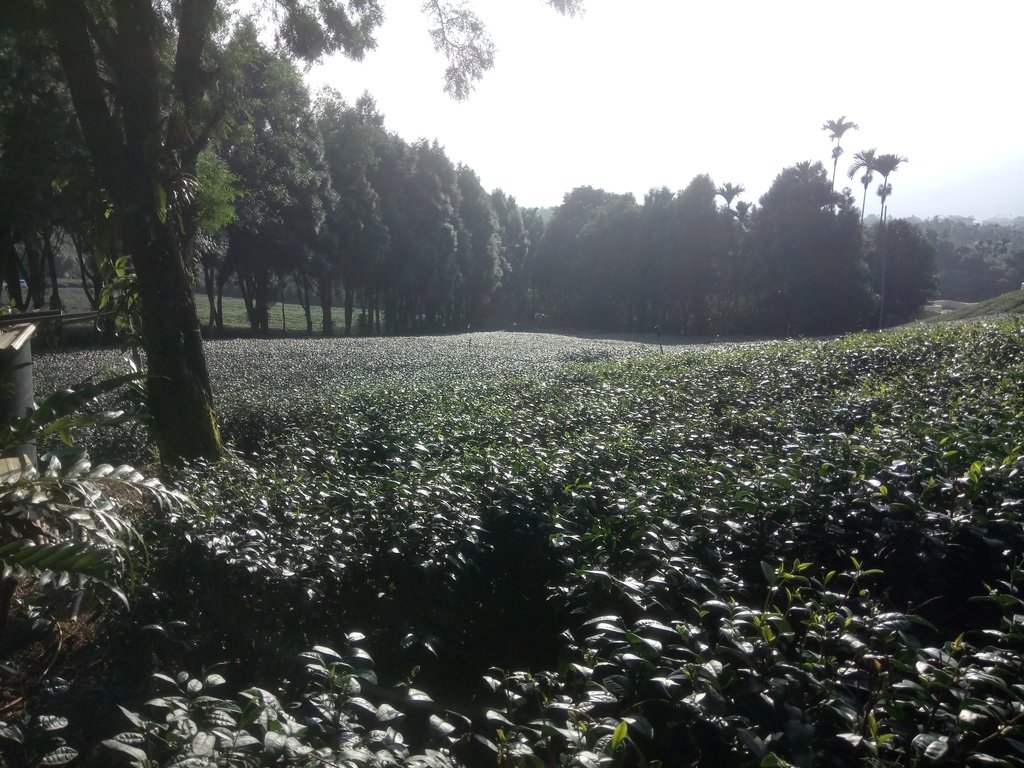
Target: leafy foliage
[
  {"x": 330, "y": 720},
  {"x": 783, "y": 553},
  {"x": 62, "y": 531},
  {"x": 75, "y": 406},
  {"x": 977, "y": 261},
  {"x": 65, "y": 527}
]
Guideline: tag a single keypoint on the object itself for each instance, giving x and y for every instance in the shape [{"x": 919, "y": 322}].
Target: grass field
[
  {"x": 293, "y": 320},
  {"x": 289, "y": 318},
  {"x": 286, "y": 318}
]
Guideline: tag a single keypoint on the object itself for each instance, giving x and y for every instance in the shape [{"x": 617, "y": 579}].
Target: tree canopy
[{"x": 148, "y": 83}]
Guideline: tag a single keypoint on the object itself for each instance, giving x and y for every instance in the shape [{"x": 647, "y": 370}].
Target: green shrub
[{"x": 785, "y": 553}]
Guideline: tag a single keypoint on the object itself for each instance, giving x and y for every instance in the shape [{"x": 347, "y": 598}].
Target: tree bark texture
[
  {"x": 180, "y": 395},
  {"x": 326, "y": 284},
  {"x": 124, "y": 131}
]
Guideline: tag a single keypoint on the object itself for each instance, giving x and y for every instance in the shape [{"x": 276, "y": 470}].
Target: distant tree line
[
  {"x": 976, "y": 261},
  {"x": 312, "y": 196},
  {"x": 797, "y": 263},
  {"x": 293, "y": 192}
]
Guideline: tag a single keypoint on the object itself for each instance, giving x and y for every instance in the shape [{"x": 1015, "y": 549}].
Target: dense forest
[{"x": 311, "y": 196}]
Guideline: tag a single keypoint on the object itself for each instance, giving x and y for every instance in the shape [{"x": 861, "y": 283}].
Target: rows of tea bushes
[
  {"x": 800, "y": 553},
  {"x": 263, "y": 378}
]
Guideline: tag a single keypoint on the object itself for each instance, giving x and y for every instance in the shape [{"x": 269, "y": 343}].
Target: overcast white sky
[{"x": 647, "y": 93}]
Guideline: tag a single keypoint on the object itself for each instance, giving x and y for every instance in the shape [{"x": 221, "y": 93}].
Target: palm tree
[
  {"x": 729, "y": 191},
  {"x": 885, "y": 165},
  {"x": 743, "y": 211},
  {"x": 836, "y": 129},
  {"x": 863, "y": 161}
]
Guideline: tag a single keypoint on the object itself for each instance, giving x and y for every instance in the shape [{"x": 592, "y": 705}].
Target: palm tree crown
[
  {"x": 836, "y": 129},
  {"x": 863, "y": 161},
  {"x": 729, "y": 191},
  {"x": 885, "y": 165}
]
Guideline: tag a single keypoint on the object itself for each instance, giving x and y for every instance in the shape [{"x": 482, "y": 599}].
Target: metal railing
[{"x": 51, "y": 316}]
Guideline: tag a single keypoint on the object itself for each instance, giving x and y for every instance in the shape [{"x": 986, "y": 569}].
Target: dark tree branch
[
  {"x": 195, "y": 19},
  {"x": 69, "y": 21},
  {"x": 191, "y": 83},
  {"x": 567, "y": 7},
  {"x": 138, "y": 73},
  {"x": 459, "y": 34}
]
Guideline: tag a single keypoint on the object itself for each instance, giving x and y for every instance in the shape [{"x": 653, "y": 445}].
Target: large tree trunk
[
  {"x": 91, "y": 285},
  {"x": 247, "y": 286},
  {"x": 180, "y": 396},
  {"x": 50, "y": 257},
  {"x": 36, "y": 276},
  {"x": 349, "y": 304},
  {"x": 128, "y": 146},
  {"x": 209, "y": 277},
  {"x": 11, "y": 268},
  {"x": 326, "y": 288},
  {"x": 220, "y": 303},
  {"x": 306, "y": 303},
  {"x": 261, "y": 302},
  {"x": 284, "y": 317}
]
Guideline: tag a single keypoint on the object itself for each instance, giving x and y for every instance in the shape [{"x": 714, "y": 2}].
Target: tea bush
[{"x": 789, "y": 553}]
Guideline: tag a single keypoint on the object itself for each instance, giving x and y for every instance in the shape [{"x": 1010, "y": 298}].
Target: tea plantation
[{"x": 531, "y": 550}]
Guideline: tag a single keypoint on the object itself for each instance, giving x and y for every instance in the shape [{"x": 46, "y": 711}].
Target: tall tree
[
  {"x": 215, "y": 206},
  {"x": 560, "y": 257},
  {"x": 703, "y": 240},
  {"x": 512, "y": 294},
  {"x": 144, "y": 78},
  {"x": 479, "y": 250},
  {"x": 806, "y": 244},
  {"x": 657, "y": 248},
  {"x": 355, "y": 237},
  {"x": 863, "y": 161},
  {"x": 606, "y": 266},
  {"x": 428, "y": 285},
  {"x": 391, "y": 177},
  {"x": 910, "y": 266},
  {"x": 534, "y": 227},
  {"x": 836, "y": 129},
  {"x": 729, "y": 192},
  {"x": 885, "y": 165},
  {"x": 275, "y": 151}
]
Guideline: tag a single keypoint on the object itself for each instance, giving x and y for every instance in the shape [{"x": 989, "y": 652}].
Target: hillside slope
[{"x": 1011, "y": 303}]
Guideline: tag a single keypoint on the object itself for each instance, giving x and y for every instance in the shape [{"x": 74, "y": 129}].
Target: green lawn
[{"x": 293, "y": 319}]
